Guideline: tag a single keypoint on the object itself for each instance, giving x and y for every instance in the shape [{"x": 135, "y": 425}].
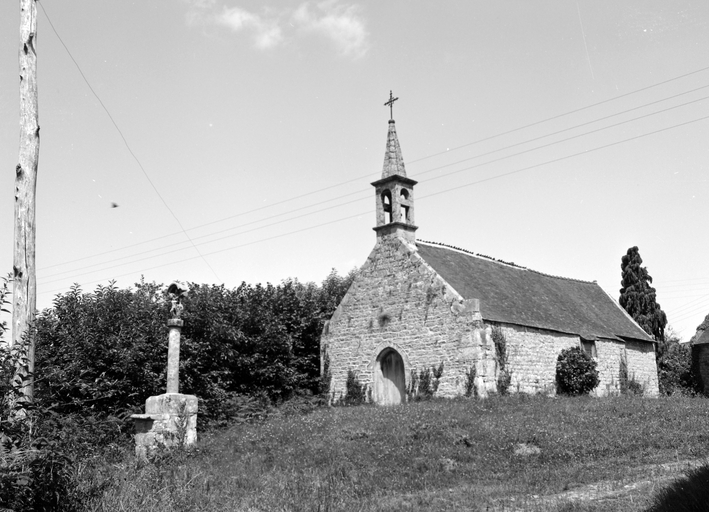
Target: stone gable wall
[{"x": 399, "y": 301}]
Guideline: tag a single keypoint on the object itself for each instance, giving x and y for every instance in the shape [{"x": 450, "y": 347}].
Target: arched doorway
[{"x": 389, "y": 378}]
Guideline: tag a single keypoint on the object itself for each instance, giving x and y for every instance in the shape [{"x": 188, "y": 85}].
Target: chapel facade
[{"x": 420, "y": 307}]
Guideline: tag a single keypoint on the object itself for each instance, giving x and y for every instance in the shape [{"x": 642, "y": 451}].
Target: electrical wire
[
  {"x": 357, "y": 192},
  {"x": 419, "y": 174},
  {"x": 200, "y": 255},
  {"x": 458, "y": 187},
  {"x": 125, "y": 142},
  {"x": 359, "y": 178}
]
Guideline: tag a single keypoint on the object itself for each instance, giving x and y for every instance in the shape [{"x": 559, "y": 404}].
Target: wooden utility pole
[{"x": 24, "y": 289}]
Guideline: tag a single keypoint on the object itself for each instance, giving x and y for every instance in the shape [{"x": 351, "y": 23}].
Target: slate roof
[
  {"x": 702, "y": 335},
  {"x": 517, "y": 295}
]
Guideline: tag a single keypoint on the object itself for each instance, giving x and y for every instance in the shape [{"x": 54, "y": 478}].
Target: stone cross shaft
[{"x": 173, "y": 355}]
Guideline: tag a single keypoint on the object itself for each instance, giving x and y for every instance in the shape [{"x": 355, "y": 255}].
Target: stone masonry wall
[
  {"x": 642, "y": 366},
  {"x": 532, "y": 355},
  {"x": 609, "y": 354},
  {"x": 399, "y": 301}
]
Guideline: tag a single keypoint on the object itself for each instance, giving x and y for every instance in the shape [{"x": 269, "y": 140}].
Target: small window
[
  {"x": 589, "y": 347},
  {"x": 404, "y": 194}
]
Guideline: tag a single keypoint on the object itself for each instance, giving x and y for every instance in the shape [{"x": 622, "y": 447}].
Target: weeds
[
  {"x": 628, "y": 384},
  {"x": 429, "y": 455},
  {"x": 424, "y": 385},
  {"x": 471, "y": 389},
  {"x": 356, "y": 393},
  {"x": 504, "y": 375}
]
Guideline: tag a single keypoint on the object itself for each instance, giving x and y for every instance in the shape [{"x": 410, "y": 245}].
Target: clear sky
[{"x": 260, "y": 125}]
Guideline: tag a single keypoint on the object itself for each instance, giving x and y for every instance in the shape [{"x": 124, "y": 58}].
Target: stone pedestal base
[{"x": 169, "y": 420}]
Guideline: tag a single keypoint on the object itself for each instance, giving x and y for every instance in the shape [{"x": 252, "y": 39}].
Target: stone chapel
[{"x": 419, "y": 305}]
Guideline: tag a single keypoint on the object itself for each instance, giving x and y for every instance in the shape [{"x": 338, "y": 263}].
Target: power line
[
  {"x": 692, "y": 279},
  {"x": 222, "y": 250},
  {"x": 125, "y": 142},
  {"x": 359, "y": 192},
  {"x": 584, "y": 124},
  {"x": 688, "y": 305},
  {"x": 558, "y": 116},
  {"x": 359, "y": 178},
  {"x": 564, "y": 140},
  {"x": 458, "y": 187},
  {"x": 447, "y": 174},
  {"x": 191, "y": 241},
  {"x": 197, "y": 238},
  {"x": 700, "y": 309},
  {"x": 568, "y": 156}
]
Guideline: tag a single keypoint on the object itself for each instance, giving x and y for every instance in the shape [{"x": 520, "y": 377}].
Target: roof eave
[{"x": 583, "y": 336}]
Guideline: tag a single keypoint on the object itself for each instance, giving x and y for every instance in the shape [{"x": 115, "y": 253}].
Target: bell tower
[{"x": 394, "y": 191}]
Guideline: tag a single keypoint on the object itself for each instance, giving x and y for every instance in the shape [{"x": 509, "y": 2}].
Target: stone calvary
[{"x": 170, "y": 419}]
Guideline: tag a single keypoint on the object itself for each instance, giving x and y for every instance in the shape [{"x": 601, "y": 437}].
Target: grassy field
[{"x": 504, "y": 453}]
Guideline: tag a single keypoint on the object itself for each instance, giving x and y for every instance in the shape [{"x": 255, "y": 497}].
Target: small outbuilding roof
[
  {"x": 701, "y": 337},
  {"x": 517, "y": 295}
]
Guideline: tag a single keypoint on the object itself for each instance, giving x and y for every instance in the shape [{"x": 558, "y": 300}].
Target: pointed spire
[{"x": 393, "y": 161}]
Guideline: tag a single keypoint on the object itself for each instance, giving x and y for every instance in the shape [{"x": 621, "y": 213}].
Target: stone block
[{"x": 169, "y": 420}]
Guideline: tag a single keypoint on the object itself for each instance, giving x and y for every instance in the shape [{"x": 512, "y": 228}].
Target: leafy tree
[
  {"x": 106, "y": 351},
  {"x": 638, "y": 298},
  {"x": 102, "y": 351},
  {"x": 40, "y": 450}
]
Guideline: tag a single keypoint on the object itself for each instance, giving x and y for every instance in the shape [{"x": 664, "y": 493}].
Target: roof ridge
[{"x": 503, "y": 262}]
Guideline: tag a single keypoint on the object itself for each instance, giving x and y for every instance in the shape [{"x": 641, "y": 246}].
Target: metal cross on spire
[{"x": 390, "y": 104}]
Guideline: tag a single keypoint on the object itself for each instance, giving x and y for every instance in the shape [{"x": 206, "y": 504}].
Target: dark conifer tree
[{"x": 638, "y": 298}]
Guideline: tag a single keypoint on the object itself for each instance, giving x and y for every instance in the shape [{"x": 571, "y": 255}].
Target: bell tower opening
[
  {"x": 405, "y": 206},
  {"x": 387, "y": 207}
]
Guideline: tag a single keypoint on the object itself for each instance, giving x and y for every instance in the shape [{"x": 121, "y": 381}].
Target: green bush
[
  {"x": 576, "y": 372},
  {"x": 106, "y": 351},
  {"x": 674, "y": 367},
  {"x": 40, "y": 450}
]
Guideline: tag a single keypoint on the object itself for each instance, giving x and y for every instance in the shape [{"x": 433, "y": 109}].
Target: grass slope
[{"x": 439, "y": 455}]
